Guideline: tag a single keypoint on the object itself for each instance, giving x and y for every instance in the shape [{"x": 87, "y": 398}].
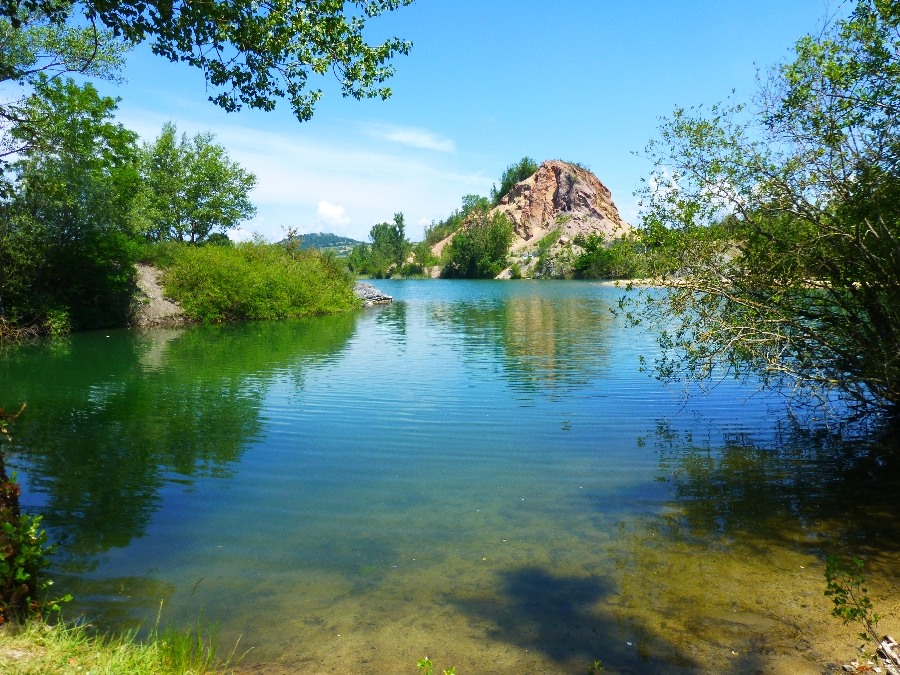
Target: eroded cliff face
[{"x": 561, "y": 196}]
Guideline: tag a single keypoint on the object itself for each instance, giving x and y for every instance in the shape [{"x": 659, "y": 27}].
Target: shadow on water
[
  {"x": 729, "y": 568},
  {"x": 822, "y": 490},
  {"x": 725, "y": 574},
  {"x": 571, "y": 620},
  {"x": 544, "y": 344},
  {"x": 112, "y": 419}
]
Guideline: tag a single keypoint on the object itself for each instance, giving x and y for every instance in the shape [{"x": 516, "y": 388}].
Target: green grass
[
  {"x": 254, "y": 281},
  {"x": 42, "y": 649}
]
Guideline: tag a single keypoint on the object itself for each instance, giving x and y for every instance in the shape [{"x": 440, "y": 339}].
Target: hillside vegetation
[{"x": 326, "y": 240}]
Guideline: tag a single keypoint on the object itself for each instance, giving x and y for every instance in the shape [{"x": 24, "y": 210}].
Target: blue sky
[{"x": 485, "y": 84}]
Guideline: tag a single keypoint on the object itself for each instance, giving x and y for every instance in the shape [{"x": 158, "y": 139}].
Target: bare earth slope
[
  {"x": 154, "y": 309},
  {"x": 559, "y": 197}
]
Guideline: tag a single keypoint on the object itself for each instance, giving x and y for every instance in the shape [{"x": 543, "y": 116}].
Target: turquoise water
[{"x": 478, "y": 472}]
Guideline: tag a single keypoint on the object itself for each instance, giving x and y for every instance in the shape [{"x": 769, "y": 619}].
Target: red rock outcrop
[{"x": 561, "y": 196}]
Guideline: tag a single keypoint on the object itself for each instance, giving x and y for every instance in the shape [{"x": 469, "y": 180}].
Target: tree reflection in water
[
  {"x": 545, "y": 344},
  {"x": 112, "y": 420}
]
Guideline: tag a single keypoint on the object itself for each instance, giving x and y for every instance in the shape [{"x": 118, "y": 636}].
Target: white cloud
[
  {"x": 240, "y": 234},
  {"x": 414, "y": 137},
  {"x": 332, "y": 214}
]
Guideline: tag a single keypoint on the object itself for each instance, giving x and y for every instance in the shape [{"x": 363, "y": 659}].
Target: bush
[
  {"x": 619, "y": 259},
  {"x": 256, "y": 281},
  {"x": 479, "y": 251},
  {"x": 514, "y": 173}
]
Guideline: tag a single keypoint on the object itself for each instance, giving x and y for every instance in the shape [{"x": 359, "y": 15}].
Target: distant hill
[{"x": 327, "y": 240}]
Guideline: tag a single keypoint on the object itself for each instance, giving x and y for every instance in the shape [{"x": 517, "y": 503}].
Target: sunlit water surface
[{"x": 478, "y": 472}]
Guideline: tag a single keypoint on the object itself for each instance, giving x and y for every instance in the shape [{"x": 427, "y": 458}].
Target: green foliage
[
  {"x": 191, "y": 189},
  {"x": 62, "y": 648},
  {"x": 22, "y": 550},
  {"x": 387, "y": 253},
  {"x": 427, "y": 667},
  {"x": 849, "y": 595},
  {"x": 525, "y": 168},
  {"x": 256, "y": 281},
  {"x": 23, "y": 555},
  {"x": 439, "y": 231},
  {"x": 160, "y": 254},
  {"x": 37, "y": 49},
  {"x": 480, "y": 250},
  {"x": 422, "y": 257},
  {"x": 786, "y": 262},
  {"x": 251, "y": 52},
  {"x": 515, "y": 271},
  {"x": 596, "y": 668},
  {"x": 67, "y": 241},
  {"x": 620, "y": 259},
  {"x": 358, "y": 259}
]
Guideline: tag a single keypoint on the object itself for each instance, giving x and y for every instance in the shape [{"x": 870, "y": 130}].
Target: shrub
[
  {"x": 256, "y": 281},
  {"x": 22, "y": 550},
  {"x": 514, "y": 173},
  {"x": 619, "y": 259},
  {"x": 479, "y": 251}
]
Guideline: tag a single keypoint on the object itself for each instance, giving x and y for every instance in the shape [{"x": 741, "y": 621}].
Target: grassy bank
[
  {"x": 252, "y": 281},
  {"x": 41, "y": 649}
]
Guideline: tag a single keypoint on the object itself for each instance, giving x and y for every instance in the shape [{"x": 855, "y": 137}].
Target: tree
[
  {"x": 67, "y": 243},
  {"x": 251, "y": 51},
  {"x": 479, "y": 251},
  {"x": 191, "y": 188},
  {"x": 777, "y": 234},
  {"x": 514, "y": 173},
  {"x": 602, "y": 259},
  {"x": 36, "y": 51},
  {"x": 438, "y": 231}
]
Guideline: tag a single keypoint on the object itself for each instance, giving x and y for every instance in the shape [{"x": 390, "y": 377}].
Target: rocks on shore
[{"x": 370, "y": 295}]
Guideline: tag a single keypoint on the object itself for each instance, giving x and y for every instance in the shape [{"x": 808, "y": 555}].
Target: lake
[{"x": 479, "y": 473}]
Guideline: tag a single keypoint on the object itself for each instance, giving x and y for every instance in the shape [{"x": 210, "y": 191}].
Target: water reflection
[
  {"x": 392, "y": 319},
  {"x": 545, "y": 344},
  {"x": 835, "y": 490},
  {"x": 112, "y": 420}
]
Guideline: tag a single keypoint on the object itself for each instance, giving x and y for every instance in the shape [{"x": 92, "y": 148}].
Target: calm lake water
[{"x": 478, "y": 473}]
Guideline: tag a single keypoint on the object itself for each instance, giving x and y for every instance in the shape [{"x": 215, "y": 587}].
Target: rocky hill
[{"x": 560, "y": 201}]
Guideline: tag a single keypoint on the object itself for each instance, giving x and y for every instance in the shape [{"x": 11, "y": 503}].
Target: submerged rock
[{"x": 370, "y": 295}]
